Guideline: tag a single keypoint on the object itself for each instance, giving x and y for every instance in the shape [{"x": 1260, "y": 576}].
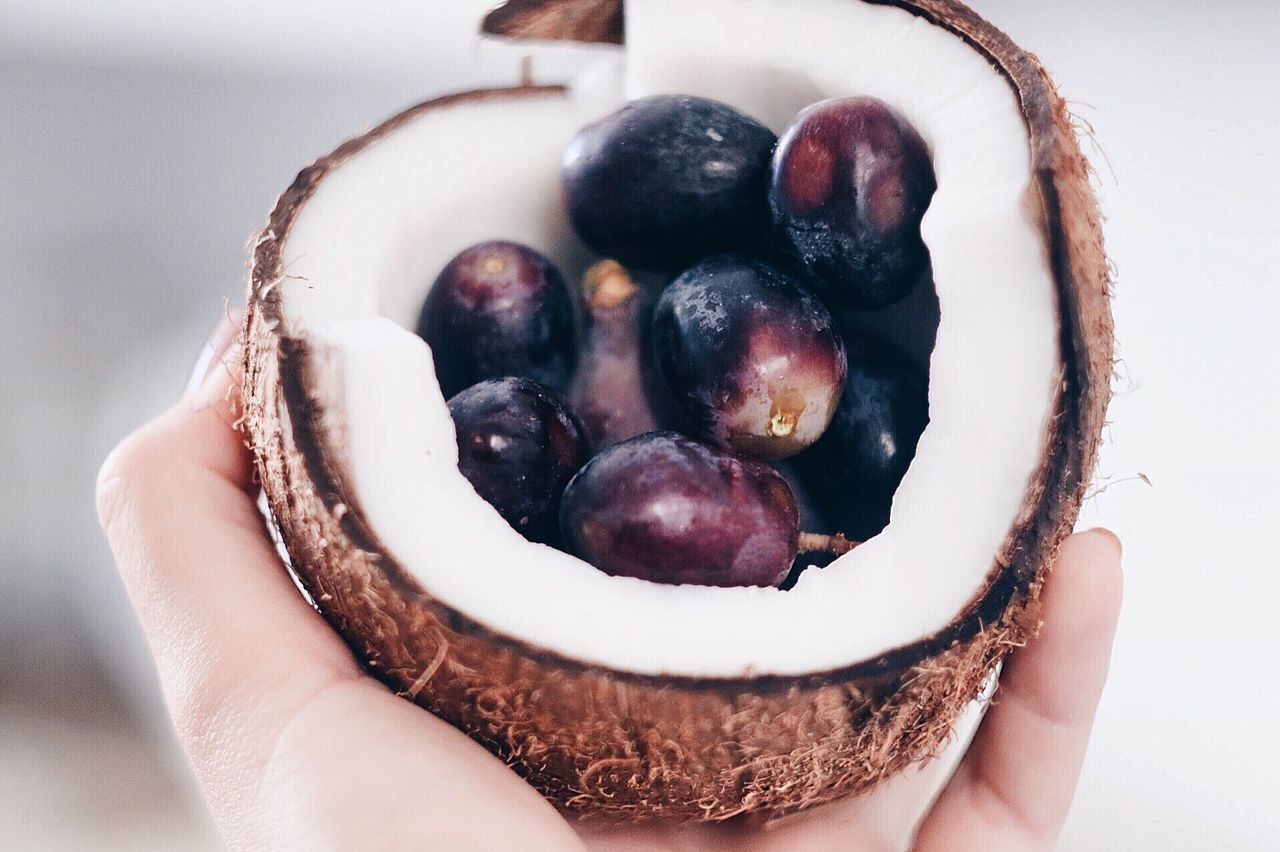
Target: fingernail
[
  {"x": 1112, "y": 539},
  {"x": 220, "y": 339}
]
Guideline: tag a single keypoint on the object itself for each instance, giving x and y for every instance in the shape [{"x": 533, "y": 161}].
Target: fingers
[
  {"x": 359, "y": 768},
  {"x": 1015, "y": 785},
  {"x": 294, "y": 746},
  {"x": 214, "y": 351},
  {"x": 232, "y": 638}
]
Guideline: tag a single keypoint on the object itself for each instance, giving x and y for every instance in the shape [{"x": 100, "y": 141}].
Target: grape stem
[
  {"x": 819, "y": 543},
  {"x": 607, "y": 285}
]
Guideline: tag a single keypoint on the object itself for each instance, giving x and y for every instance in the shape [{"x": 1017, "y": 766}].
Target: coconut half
[{"x": 614, "y": 695}]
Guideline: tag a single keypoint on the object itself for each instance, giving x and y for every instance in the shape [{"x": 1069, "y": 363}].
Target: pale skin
[{"x": 295, "y": 747}]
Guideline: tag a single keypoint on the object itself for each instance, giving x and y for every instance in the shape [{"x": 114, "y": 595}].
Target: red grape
[
  {"x": 499, "y": 309},
  {"x": 614, "y": 390},
  {"x": 665, "y": 508},
  {"x": 753, "y": 358},
  {"x": 850, "y": 183}
]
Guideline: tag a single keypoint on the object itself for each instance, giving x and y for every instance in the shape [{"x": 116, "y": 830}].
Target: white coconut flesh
[{"x": 365, "y": 249}]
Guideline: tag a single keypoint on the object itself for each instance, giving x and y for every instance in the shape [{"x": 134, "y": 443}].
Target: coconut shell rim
[{"x": 1072, "y": 436}]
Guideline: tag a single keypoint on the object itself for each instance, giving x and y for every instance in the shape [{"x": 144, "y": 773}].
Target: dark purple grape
[
  {"x": 812, "y": 516},
  {"x": 665, "y": 508},
  {"x": 668, "y": 179},
  {"x": 849, "y": 184},
  {"x": 856, "y": 467},
  {"x": 752, "y": 357},
  {"x": 518, "y": 446},
  {"x": 499, "y": 309}
]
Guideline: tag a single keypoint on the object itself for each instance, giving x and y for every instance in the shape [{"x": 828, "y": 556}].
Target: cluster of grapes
[{"x": 692, "y": 397}]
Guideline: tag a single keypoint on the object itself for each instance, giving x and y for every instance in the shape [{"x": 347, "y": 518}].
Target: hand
[{"x": 295, "y": 747}]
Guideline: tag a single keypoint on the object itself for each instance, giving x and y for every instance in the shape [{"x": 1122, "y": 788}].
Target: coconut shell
[{"x": 617, "y": 744}]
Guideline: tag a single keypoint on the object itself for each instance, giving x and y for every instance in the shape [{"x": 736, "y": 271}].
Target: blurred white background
[{"x": 142, "y": 141}]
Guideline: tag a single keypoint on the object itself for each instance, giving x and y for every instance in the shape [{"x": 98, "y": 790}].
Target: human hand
[{"x": 295, "y": 746}]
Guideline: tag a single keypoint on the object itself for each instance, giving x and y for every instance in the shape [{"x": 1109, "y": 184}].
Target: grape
[
  {"x": 615, "y": 390},
  {"x": 499, "y": 309},
  {"x": 665, "y": 508},
  {"x": 754, "y": 359},
  {"x": 518, "y": 446},
  {"x": 849, "y": 184},
  {"x": 668, "y": 179},
  {"x": 856, "y": 467}
]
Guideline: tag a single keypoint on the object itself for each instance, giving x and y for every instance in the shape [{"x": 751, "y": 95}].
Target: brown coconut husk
[{"x": 614, "y": 743}]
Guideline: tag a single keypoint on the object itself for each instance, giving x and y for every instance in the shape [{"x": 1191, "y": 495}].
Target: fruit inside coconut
[{"x": 562, "y": 668}]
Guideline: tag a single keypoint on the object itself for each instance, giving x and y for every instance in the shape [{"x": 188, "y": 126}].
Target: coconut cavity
[{"x": 365, "y": 248}]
